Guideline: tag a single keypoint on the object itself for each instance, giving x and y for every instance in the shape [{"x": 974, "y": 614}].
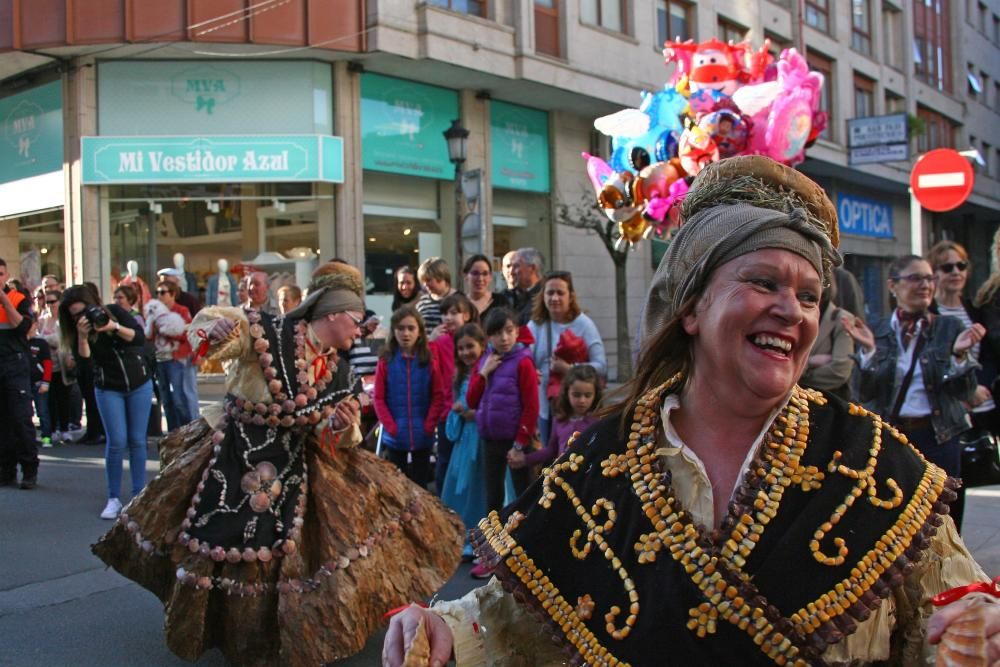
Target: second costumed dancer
[{"x": 268, "y": 533}]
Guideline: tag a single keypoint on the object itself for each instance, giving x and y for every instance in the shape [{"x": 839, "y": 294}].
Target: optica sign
[
  {"x": 279, "y": 158},
  {"x": 864, "y": 217}
]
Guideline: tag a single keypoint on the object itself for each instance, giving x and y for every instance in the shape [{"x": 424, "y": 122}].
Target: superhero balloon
[{"x": 722, "y": 100}]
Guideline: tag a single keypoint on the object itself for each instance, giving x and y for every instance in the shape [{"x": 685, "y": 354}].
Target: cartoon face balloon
[
  {"x": 728, "y": 130},
  {"x": 696, "y": 150}
]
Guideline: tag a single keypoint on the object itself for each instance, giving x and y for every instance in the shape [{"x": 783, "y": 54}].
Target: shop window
[
  {"x": 861, "y": 31},
  {"x": 608, "y": 14},
  {"x": 892, "y": 36},
  {"x": 824, "y": 66},
  {"x": 939, "y": 131},
  {"x": 673, "y": 21},
  {"x": 547, "y": 28},
  {"x": 731, "y": 32},
  {"x": 818, "y": 15},
  {"x": 473, "y": 7},
  {"x": 864, "y": 96},
  {"x": 931, "y": 49},
  {"x": 41, "y": 245}
]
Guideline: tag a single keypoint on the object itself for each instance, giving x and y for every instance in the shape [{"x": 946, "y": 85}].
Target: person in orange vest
[{"x": 20, "y": 447}]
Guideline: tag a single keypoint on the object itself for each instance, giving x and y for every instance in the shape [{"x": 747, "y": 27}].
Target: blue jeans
[
  {"x": 171, "y": 377},
  {"x": 42, "y": 411},
  {"x": 125, "y": 417},
  {"x": 191, "y": 390}
]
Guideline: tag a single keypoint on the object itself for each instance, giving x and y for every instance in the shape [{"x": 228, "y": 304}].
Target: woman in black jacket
[{"x": 108, "y": 339}]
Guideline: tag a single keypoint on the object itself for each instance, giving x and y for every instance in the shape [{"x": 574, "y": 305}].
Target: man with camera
[{"x": 19, "y": 447}]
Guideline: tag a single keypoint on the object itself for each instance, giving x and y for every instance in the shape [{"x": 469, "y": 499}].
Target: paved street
[{"x": 59, "y": 606}]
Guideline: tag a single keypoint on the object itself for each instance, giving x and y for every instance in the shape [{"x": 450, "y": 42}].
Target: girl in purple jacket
[{"x": 579, "y": 396}]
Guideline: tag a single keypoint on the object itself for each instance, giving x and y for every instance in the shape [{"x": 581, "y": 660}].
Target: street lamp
[{"x": 457, "y": 137}]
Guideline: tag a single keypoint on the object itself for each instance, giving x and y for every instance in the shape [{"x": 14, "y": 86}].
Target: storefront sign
[
  {"x": 864, "y": 217},
  {"x": 180, "y": 97},
  {"x": 520, "y": 147},
  {"x": 877, "y": 139},
  {"x": 31, "y": 133},
  {"x": 289, "y": 158},
  {"x": 402, "y": 124}
]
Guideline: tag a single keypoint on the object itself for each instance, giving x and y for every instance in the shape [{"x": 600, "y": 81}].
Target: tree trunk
[{"x": 621, "y": 317}]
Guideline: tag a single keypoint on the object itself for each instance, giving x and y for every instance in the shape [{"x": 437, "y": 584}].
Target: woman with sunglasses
[
  {"x": 269, "y": 534},
  {"x": 916, "y": 370},
  {"x": 951, "y": 266}
]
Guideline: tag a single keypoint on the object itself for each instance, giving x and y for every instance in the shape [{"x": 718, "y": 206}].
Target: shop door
[{"x": 133, "y": 237}]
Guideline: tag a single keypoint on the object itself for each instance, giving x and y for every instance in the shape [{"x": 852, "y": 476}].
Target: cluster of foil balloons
[{"x": 723, "y": 100}]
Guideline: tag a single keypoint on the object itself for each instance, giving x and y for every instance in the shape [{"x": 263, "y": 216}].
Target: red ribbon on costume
[
  {"x": 990, "y": 588},
  {"x": 318, "y": 363},
  {"x": 202, "y": 347},
  {"x": 392, "y": 612},
  {"x": 329, "y": 440}
]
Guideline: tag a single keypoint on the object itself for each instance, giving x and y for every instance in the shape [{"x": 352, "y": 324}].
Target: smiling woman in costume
[
  {"x": 724, "y": 515},
  {"x": 268, "y": 533}
]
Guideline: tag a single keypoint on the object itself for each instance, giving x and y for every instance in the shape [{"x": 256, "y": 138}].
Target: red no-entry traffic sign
[{"x": 941, "y": 180}]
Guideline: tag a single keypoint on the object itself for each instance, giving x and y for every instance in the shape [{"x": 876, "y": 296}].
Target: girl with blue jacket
[{"x": 411, "y": 395}]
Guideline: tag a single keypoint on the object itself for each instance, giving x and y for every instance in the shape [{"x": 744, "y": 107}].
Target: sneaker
[
  {"x": 112, "y": 509},
  {"x": 481, "y": 571},
  {"x": 46, "y": 442},
  {"x": 28, "y": 483}
]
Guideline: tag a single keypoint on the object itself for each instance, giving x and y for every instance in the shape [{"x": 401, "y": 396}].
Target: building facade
[{"x": 280, "y": 132}]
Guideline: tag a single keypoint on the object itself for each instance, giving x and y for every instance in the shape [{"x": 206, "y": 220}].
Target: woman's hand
[
  {"x": 402, "y": 629},
  {"x": 515, "y": 458},
  {"x": 436, "y": 331},
  {"x": 83, "y": 327},
  {"x": 859, "y": 331},
  {"x": 817, "y": 360},
  {"x": 110, "y": 327},
  {"x": 469, "y": 415},
  {"x": 967, "y": 339},
  {"x": 221, "y": 329},
  {"x": 457, "y": 407},
  {"x": 345, "y": 414},
  {"x": 974, "y": 607},
  {"x": 981, "y": 396},
  {"x": 558, "y": 366},
  {"x": 489, "y": 365}
]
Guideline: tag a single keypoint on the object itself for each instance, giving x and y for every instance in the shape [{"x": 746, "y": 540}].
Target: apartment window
[
  {"x": 983, "y": 13},
  {"x": 931, "y": 51},
  {"x": 864, "y": 96},
  {"x": 996, "y": 29},
  {"x": 818, "y": 14},
  {"x": 778, "y": 44},
  {"x": 824, "y": 66},
  {"x": 975, "y": 84},
  {"x": 984, "y": 80},
  {"x": 894, "y": 103},
  {"x": 731, "y": 32},
  {"x": 473, "y": 7},
  {"x": 892, "y": 36},
  {"x": 607, "y": 14},
  {"x": 996, "y": 96},
  {"x": 861, "y": 31},
  {"x": 673, "y": 21},
  {"x": 939, "y": 132},
  {"x": 547, "y": 28},
  {"x": 987, "y": 153}
]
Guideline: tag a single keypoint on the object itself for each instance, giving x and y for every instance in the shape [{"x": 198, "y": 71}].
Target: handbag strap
[{"x": 905, "y": 386}]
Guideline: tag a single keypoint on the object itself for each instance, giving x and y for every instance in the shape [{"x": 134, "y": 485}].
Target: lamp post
[{"x": 457, "y": 137}]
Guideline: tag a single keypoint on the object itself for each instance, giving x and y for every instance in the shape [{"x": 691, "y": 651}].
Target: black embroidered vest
[{"x": 829, "y": 517}]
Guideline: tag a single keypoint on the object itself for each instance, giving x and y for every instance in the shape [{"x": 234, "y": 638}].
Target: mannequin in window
[
  {"x": 222, "y": 287},
  {"x": 188, "y": 282},
  {"x": 132, "y": 278}
]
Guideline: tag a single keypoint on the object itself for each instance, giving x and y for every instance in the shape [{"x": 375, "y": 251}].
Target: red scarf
[{"x": 908, "y": 324}]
